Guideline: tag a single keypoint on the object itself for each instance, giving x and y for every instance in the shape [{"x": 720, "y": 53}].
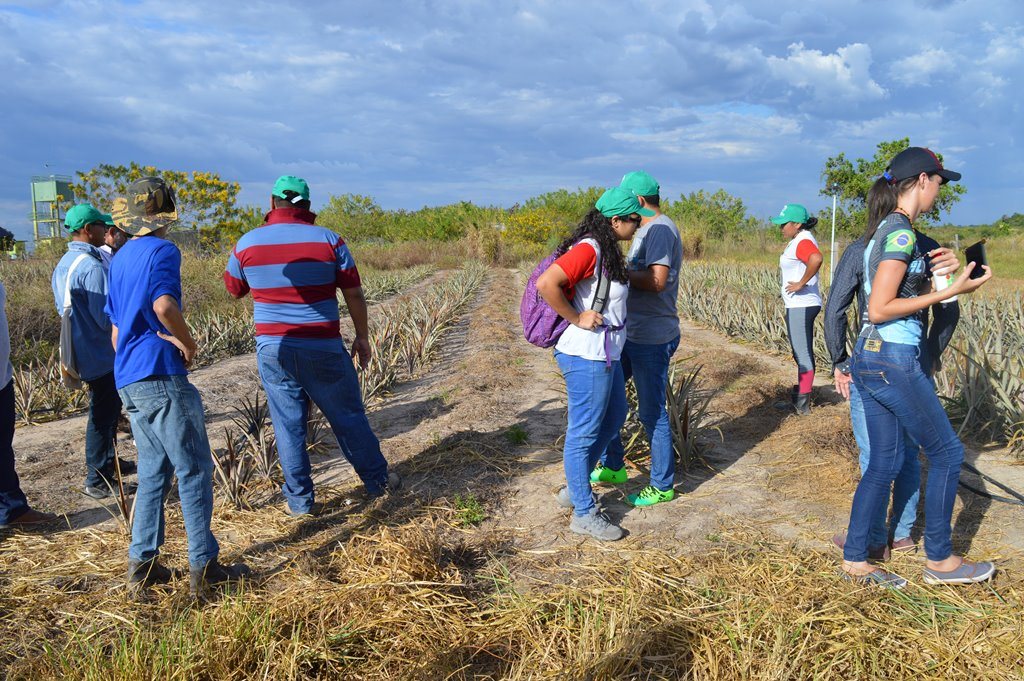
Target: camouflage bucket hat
[{"x": 147, "y": 206}]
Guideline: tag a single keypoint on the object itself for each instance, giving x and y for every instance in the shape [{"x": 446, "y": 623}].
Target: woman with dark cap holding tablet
[
  {"x": 897, "y": 392},
  {"x": 800, "y": 263}
]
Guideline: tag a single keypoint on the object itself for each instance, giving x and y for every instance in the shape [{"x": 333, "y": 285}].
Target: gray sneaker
[
  {"x": 597, "y": 526},
  {"x": 563, "y": 500}
]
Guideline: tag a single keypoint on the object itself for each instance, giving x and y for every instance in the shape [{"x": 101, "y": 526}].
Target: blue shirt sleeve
[
  {"x": 94, "y": 281},
  {"x": 658, "y": 245},
  {"x": 165, "y": 277}
]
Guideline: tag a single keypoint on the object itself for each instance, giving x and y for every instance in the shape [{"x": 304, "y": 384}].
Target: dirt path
[{"x": 458, "y": 430}]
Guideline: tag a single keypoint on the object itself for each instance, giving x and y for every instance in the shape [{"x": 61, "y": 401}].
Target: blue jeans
[
  {"x": 648, "y": 367},
  {"x": 597, "y": 410},
  {"x": 899, "y": 400},
  {"x": 906, "y": 488},
  {"x": 12, "y": 499},
  {"x": 167, "y": 420},
  {"x": 100, "y": 431},
  {"x": 292, "y": 377}
]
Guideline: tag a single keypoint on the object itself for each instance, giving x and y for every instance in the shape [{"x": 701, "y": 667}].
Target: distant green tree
[
  {"x": 567, "y": 205},
  {"x": 203, "y": 199},
  {"x": 6, "y": 240},
  {"x": 715, "y": 214},
  {"x": 851, "y": 180}
]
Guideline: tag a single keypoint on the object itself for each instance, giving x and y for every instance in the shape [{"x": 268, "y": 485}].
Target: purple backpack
[{"x": 542, "y": 326}]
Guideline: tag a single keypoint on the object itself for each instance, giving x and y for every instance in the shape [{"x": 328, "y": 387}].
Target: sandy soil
[{"x": 454, "y": 430}]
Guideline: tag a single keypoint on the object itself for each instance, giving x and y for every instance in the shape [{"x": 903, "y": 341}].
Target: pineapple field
[{"x": 470, "y": 571}]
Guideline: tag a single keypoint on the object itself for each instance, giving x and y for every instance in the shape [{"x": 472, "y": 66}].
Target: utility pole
[{"x": 832, "y": 250}]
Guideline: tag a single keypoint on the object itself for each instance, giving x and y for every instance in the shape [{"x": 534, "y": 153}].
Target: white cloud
[
  {"x": 843, "y": 75},
  {"x": 920, "y": 68}
]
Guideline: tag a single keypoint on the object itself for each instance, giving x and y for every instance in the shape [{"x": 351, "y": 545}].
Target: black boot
[
  {"x": 146, "y": 573},
  {"x": 803, "y": 404},
  {"x": 214, "y": 574}
]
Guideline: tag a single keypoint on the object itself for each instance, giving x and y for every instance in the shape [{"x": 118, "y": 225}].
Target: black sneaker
[
  {"x": 105, "y": 492},
  {"x": 146, "y": 573},
  {"x": 214, "y": 574},
  {"x": 128, "y": 467},
  {"x": 390, "y": 486}
]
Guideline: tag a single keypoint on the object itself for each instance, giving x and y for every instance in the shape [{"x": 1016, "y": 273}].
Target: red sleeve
[
  {"x": 805, "y": 249},
  {"x": 578, "y": 263}
]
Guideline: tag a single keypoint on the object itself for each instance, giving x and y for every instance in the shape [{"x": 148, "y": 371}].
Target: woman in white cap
[
  {"x": 888, "y": 369},
  {"x": 800, "y": 263}
]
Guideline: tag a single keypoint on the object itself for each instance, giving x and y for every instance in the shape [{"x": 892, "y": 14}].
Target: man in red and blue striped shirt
[{"x": 292, "y": 267}]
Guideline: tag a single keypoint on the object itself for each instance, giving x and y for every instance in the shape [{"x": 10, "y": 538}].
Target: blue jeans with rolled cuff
[
  {"x": 648, "y": 367},
  {"x": 597, "y": 410},
  {"x": 899, "y": 401},
  {"x": 906, "y": 488},
  {"x": 292, "y": 376},
  {"x": 167, "y": 421}
]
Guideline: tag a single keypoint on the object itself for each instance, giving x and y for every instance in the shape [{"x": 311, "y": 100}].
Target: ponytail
[{"x": 882, "y": 200}]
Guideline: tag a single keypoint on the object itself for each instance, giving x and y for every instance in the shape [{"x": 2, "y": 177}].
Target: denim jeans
[
  {"x": 167, "y": 420},
  {"x": 597, "y": 410},
  {"x": 12, "y": 499},
  {"x": 292, "y": 377},
  {"x": 100, "y": 431},
  {"x": 648, "y": 367},
  {"x": 906, "y": 488},
  {"x": 899, "y": 399}
]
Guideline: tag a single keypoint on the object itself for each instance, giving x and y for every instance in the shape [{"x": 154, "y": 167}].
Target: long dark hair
[
  {"x": 882, "y": 200},
  {"x": 595, "y": 225}
]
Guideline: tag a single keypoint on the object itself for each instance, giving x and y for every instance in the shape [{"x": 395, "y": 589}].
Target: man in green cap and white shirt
[
  {"x": 652, "y": 336},
  {"x": 80, "y": 279}
]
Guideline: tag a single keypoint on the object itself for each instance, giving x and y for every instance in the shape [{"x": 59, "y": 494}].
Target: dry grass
[{"x": 401, "y": 591}]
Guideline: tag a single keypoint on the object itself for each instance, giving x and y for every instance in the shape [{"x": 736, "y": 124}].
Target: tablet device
[{"x": 976, "y": 253}]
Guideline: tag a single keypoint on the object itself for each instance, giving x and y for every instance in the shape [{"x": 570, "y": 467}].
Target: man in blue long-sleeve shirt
[
  {"x": 847, "y": 283},
  {"x": 90, "y": 337}
]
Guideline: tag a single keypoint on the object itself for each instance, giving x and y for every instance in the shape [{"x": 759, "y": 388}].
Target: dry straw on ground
[{"x": 399, "y": 590}]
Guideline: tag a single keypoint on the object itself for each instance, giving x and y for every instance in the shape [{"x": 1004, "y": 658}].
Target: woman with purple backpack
[{"x": 588, "y": 349}]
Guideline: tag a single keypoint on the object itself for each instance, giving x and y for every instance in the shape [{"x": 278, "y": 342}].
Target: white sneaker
[{"x": 597, "y": 526}]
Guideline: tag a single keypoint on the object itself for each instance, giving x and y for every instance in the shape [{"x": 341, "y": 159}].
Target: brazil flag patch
[{"x": 900, "y": 241}]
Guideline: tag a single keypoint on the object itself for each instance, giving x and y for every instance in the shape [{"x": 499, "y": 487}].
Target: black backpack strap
[{"x": 603, "y": 285}]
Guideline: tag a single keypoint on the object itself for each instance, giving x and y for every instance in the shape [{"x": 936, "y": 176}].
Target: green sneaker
[
  {"x": 608, "y": 475},
  {"x": 649, "y": 496}
]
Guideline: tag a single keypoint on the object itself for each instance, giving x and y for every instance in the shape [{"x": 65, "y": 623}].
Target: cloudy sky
[{"x": 429, "y": 102}]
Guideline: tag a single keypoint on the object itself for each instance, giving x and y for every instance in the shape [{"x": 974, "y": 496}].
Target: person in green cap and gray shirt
[
  {"x": 154, "y": 350},
  {"x": 82, "y": 274},
  {"x": 652, "y": 336}
]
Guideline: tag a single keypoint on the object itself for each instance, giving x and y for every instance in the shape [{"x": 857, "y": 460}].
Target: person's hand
[
  {"x": 793, "y": 286},
  {"x": 590, "y": 320},
  {"x": 361, "y": 349},
  {"x": 964, "y": 284},
  {"x": 188, "y": 352},
  {"x": 943, "y": 261},
  {"x": 843, "y": 382}
]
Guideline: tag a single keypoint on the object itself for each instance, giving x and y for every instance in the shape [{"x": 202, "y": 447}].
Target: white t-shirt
[
  {"x": 591, "y": 344},
  {"x": 793, "y": 269},
  {"x": 6, "y": 370}
]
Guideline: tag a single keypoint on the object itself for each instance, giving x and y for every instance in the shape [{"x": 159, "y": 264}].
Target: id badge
[{"x": 873, "y": 345}]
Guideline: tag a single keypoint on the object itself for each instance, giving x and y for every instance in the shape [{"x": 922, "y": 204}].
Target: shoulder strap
[
  {"x": 601, "y": 292},
  {"x": 67, "y": 280}
]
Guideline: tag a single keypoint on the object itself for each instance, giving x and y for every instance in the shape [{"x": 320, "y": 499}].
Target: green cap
[
  {"x": 619, "y": 201},
  {"x": 81, "y": 215},
  {"x": 109, "y": 220},
  {"x": 792, "y": 212},
  {"x": 640, "y": 183},
  {"x": 290, "y": 183}
]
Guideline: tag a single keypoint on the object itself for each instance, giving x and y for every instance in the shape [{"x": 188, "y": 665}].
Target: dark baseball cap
[
  {"x": 913, "y": 161},
  {"x": 147, "y": 206}
]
